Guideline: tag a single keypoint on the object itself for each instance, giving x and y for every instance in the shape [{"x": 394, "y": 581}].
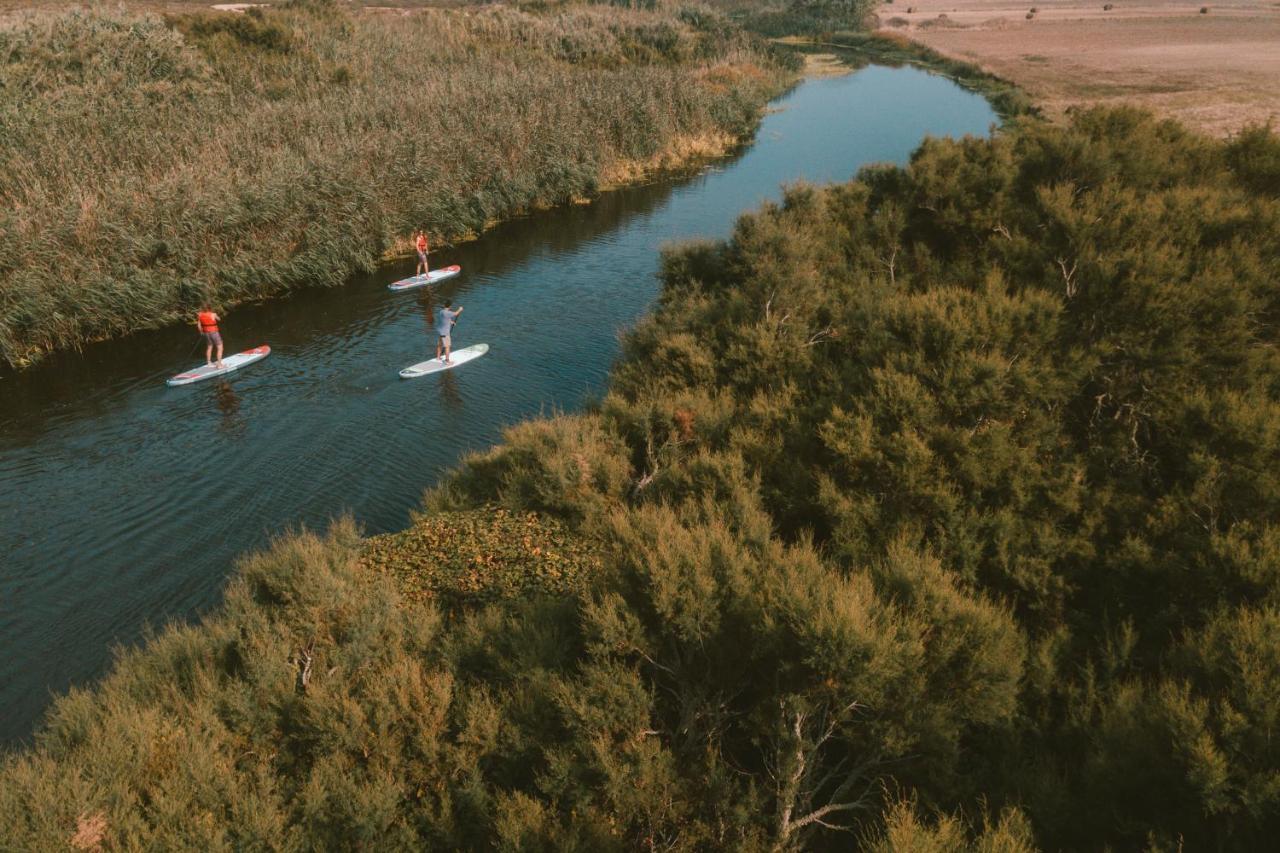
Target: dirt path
[{"x": 1215, "y": 71}]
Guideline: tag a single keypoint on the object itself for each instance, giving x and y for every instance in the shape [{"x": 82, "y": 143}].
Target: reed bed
[{"x": 150, "y": 163}]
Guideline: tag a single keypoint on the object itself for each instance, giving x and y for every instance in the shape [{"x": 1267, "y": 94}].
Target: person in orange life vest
[
  {"x": 207, "y": 323},
  {"x": 420, "y": 243}
]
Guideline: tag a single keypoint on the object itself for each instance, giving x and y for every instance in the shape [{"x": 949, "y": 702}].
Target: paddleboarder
[
  {"x": 207, "y": 323},
  {"x": 444, "y": 343},
  {"x": 420, "y": 243}
]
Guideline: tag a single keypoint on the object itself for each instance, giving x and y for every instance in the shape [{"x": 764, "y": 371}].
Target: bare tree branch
[
  {"x": 304, "y": 661},
  {"x": 891, "y": 265},
  {"x": 820, "y": 336},
  {"x": 800, "y": 778},
  {"x": 816, "y": 816},
  {"x": 1069, "y": 276}
]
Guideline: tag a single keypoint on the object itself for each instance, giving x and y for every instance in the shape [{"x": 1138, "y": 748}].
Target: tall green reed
[{"x": 148, "y": 164}]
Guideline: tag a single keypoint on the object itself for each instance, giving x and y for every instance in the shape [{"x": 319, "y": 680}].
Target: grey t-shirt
[{"x": 447, "y": 319}]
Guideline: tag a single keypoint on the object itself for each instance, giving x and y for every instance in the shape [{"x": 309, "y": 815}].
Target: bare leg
[
  {"x": 220, "y": 365},
  {"x": 208, "y": 353},
  {"x": 438, "y": 345},
  {"x": 447, "y": 348}
]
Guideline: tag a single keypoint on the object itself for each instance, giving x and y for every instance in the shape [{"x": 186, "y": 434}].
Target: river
[{"x": 124, "y": 502}]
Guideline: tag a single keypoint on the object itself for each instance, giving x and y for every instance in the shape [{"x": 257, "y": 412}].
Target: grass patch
[{"x": 483, "y": 555}]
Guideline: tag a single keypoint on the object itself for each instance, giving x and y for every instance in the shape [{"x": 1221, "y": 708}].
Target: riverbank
[
  {"x": 684, "y": 154},
  {"x": 1212, "y": 66},
  {"x": 148, "y": 164}
]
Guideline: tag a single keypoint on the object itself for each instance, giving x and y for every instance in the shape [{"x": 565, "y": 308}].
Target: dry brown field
[{"x": 1216, "y": 71}]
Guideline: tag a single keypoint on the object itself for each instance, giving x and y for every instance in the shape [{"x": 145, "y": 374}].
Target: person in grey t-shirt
[{"x": 444, "y": 343}]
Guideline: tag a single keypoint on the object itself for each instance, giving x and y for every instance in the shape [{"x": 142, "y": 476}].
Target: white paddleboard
[
  {"x": 230, "y": 363},
  {"x": 430, "y": 278},
  {"x": 435, "y": 365}
]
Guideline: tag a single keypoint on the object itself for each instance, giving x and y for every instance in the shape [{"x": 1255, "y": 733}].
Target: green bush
[
  {"x": 253, "y": 29},
  {"x": 571, "y": 467},
  {"x": 1254, "y": 155},
  {"x": 905, "y": 832}
]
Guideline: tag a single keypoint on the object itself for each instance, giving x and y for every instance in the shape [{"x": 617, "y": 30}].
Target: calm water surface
[{"x": 124, "y": 502}]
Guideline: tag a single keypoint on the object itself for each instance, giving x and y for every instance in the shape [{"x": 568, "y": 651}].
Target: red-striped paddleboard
[
  {"x": 421, "y": 280},
  {"x": 230, "y": 363}
]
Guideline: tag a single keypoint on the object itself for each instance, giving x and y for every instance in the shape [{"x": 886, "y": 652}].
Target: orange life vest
[
  {"x": 422, "y": 242},
  {"x": 208, "y": 321}
]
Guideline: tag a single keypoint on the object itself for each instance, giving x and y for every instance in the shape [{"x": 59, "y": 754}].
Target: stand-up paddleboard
[
  {"x": 230, "y": 363},
  {"x": 435, "y": 365},
  {"x": 421, "y": 280}
]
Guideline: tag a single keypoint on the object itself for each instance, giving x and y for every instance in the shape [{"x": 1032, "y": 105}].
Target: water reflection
[
  {"x": 426, "y": 301},
  {"x": 233, "y": 423},
  {"x": 450, "y": 393}
]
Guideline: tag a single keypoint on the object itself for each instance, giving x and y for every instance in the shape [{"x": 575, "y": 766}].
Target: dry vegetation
[
  {"x": 1216, "y": 71},
  {"x": 148, "y": 163}
]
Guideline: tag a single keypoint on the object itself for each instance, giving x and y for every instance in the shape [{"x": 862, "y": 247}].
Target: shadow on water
[
  {"x": 232, "y": 423},
  {"x": 450, "y": 391},
  {"x": 123, "y": 501}
]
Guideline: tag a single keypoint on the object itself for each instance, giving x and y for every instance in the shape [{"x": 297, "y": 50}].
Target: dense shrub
[
  {"x": 570, "y": 467},
  {"x": 905, "y": 831},
  {"x": 1254, "y": 155},
  {"x": 1042, "y": 359}
]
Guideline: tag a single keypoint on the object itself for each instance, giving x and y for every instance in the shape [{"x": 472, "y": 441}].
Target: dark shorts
[
  {"x": 212, "y": 338},
  {"x": 422, "y": 257}
]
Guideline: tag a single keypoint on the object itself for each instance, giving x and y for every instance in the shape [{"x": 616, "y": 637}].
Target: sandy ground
[{"x": 1216, "y": 71}]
